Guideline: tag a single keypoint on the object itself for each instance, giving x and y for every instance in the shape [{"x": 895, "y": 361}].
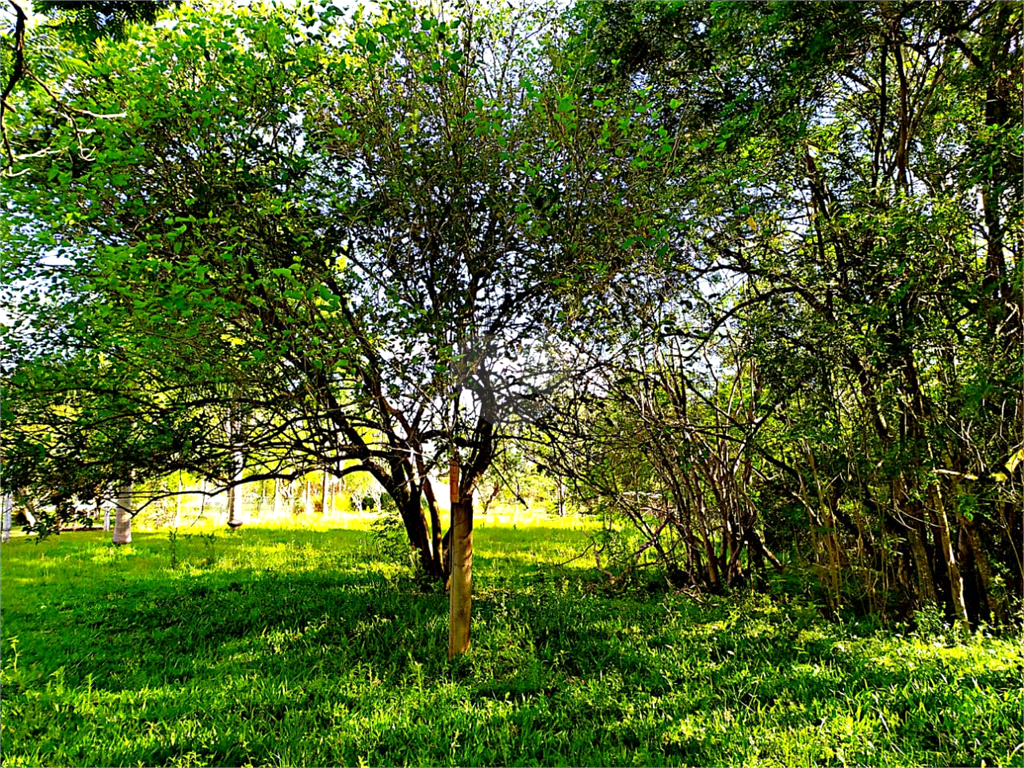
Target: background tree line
[{"x": 829, "y": 360}]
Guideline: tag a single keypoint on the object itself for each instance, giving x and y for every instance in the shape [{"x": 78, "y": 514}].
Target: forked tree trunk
[
  {"x": 462, "y": 568},
  {"x": 6, "y": 535},
  {"x": 123, "y": 515}
]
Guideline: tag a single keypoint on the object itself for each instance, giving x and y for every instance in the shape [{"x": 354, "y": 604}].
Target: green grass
[{"x": 299, "y": 647}]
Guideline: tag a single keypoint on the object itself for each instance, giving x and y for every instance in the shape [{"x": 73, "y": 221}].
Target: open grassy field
[{"x": 303, "y": 647}]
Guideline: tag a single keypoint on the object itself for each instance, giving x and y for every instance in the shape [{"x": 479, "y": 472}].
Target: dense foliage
[{"x": 826, "y": 357}]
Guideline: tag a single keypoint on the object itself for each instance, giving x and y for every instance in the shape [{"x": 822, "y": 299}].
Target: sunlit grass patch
[{"x": 301, "y": 647}]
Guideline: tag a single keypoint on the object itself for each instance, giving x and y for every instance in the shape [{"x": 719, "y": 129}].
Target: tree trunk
[
  {"x": 6, "y": 527},
  {"x": 462, "y": 569},
  {"x": 984, "y": 570},
  {"x": 955, "y": 578},
  {"x": 123, "y": 515},
  {"x": 106, "y": 519},
  {"x": 926, "y": 583},
  {"x": 236, "y": 517},
  {"x": 411, "y": 510},
  {"x": 234, "y": 507},
  {"x": 277, "y": 498},
  {"x": 323, "y": 493},
  {"x": 29, "y": 511},
  {"x": 435, "y": 529},
  {"x": 177, "y": 507}
]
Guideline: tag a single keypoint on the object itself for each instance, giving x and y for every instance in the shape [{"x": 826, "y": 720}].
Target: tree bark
[
  {"x": 926, "y": 583},
  {"x": 956, "y": 580},
  {"x": 462, "y": 569},
  {"x": 123, "y": 515},
  {"x": 984, "y": 569},
  {"x": 236, "y": 518},
  {"x": 29, "y": 510},
  {"x": 435, "y": 528},
  {"x": 419, "y": 537}
]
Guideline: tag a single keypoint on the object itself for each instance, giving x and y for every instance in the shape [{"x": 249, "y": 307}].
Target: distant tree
[
  {"x": 123, "y": 514},
  {"x": 5, "y": 527}
]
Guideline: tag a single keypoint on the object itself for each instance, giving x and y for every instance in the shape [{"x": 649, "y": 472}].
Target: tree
[
  {"x": 5, "y": 529},
  {"x": 830, "y": 212},
  {"x": 364, "y": 224},
  {"x": 123, "y": 515}
]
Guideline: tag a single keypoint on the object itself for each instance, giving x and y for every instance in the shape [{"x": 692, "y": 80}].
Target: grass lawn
[{"x": 302, "y": 647}]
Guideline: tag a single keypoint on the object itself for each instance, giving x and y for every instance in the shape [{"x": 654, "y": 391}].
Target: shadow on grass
[{"x": 302, "y": 644}]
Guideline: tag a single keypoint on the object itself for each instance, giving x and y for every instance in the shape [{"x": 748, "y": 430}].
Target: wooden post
[{"x": 462, "y": 567}]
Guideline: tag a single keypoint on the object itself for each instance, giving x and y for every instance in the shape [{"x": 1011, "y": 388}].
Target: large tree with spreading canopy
[{"x": 327, "y": 238}]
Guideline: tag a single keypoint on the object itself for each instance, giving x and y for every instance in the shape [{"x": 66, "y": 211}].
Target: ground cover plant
[{"x": 305, "y": 647}]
